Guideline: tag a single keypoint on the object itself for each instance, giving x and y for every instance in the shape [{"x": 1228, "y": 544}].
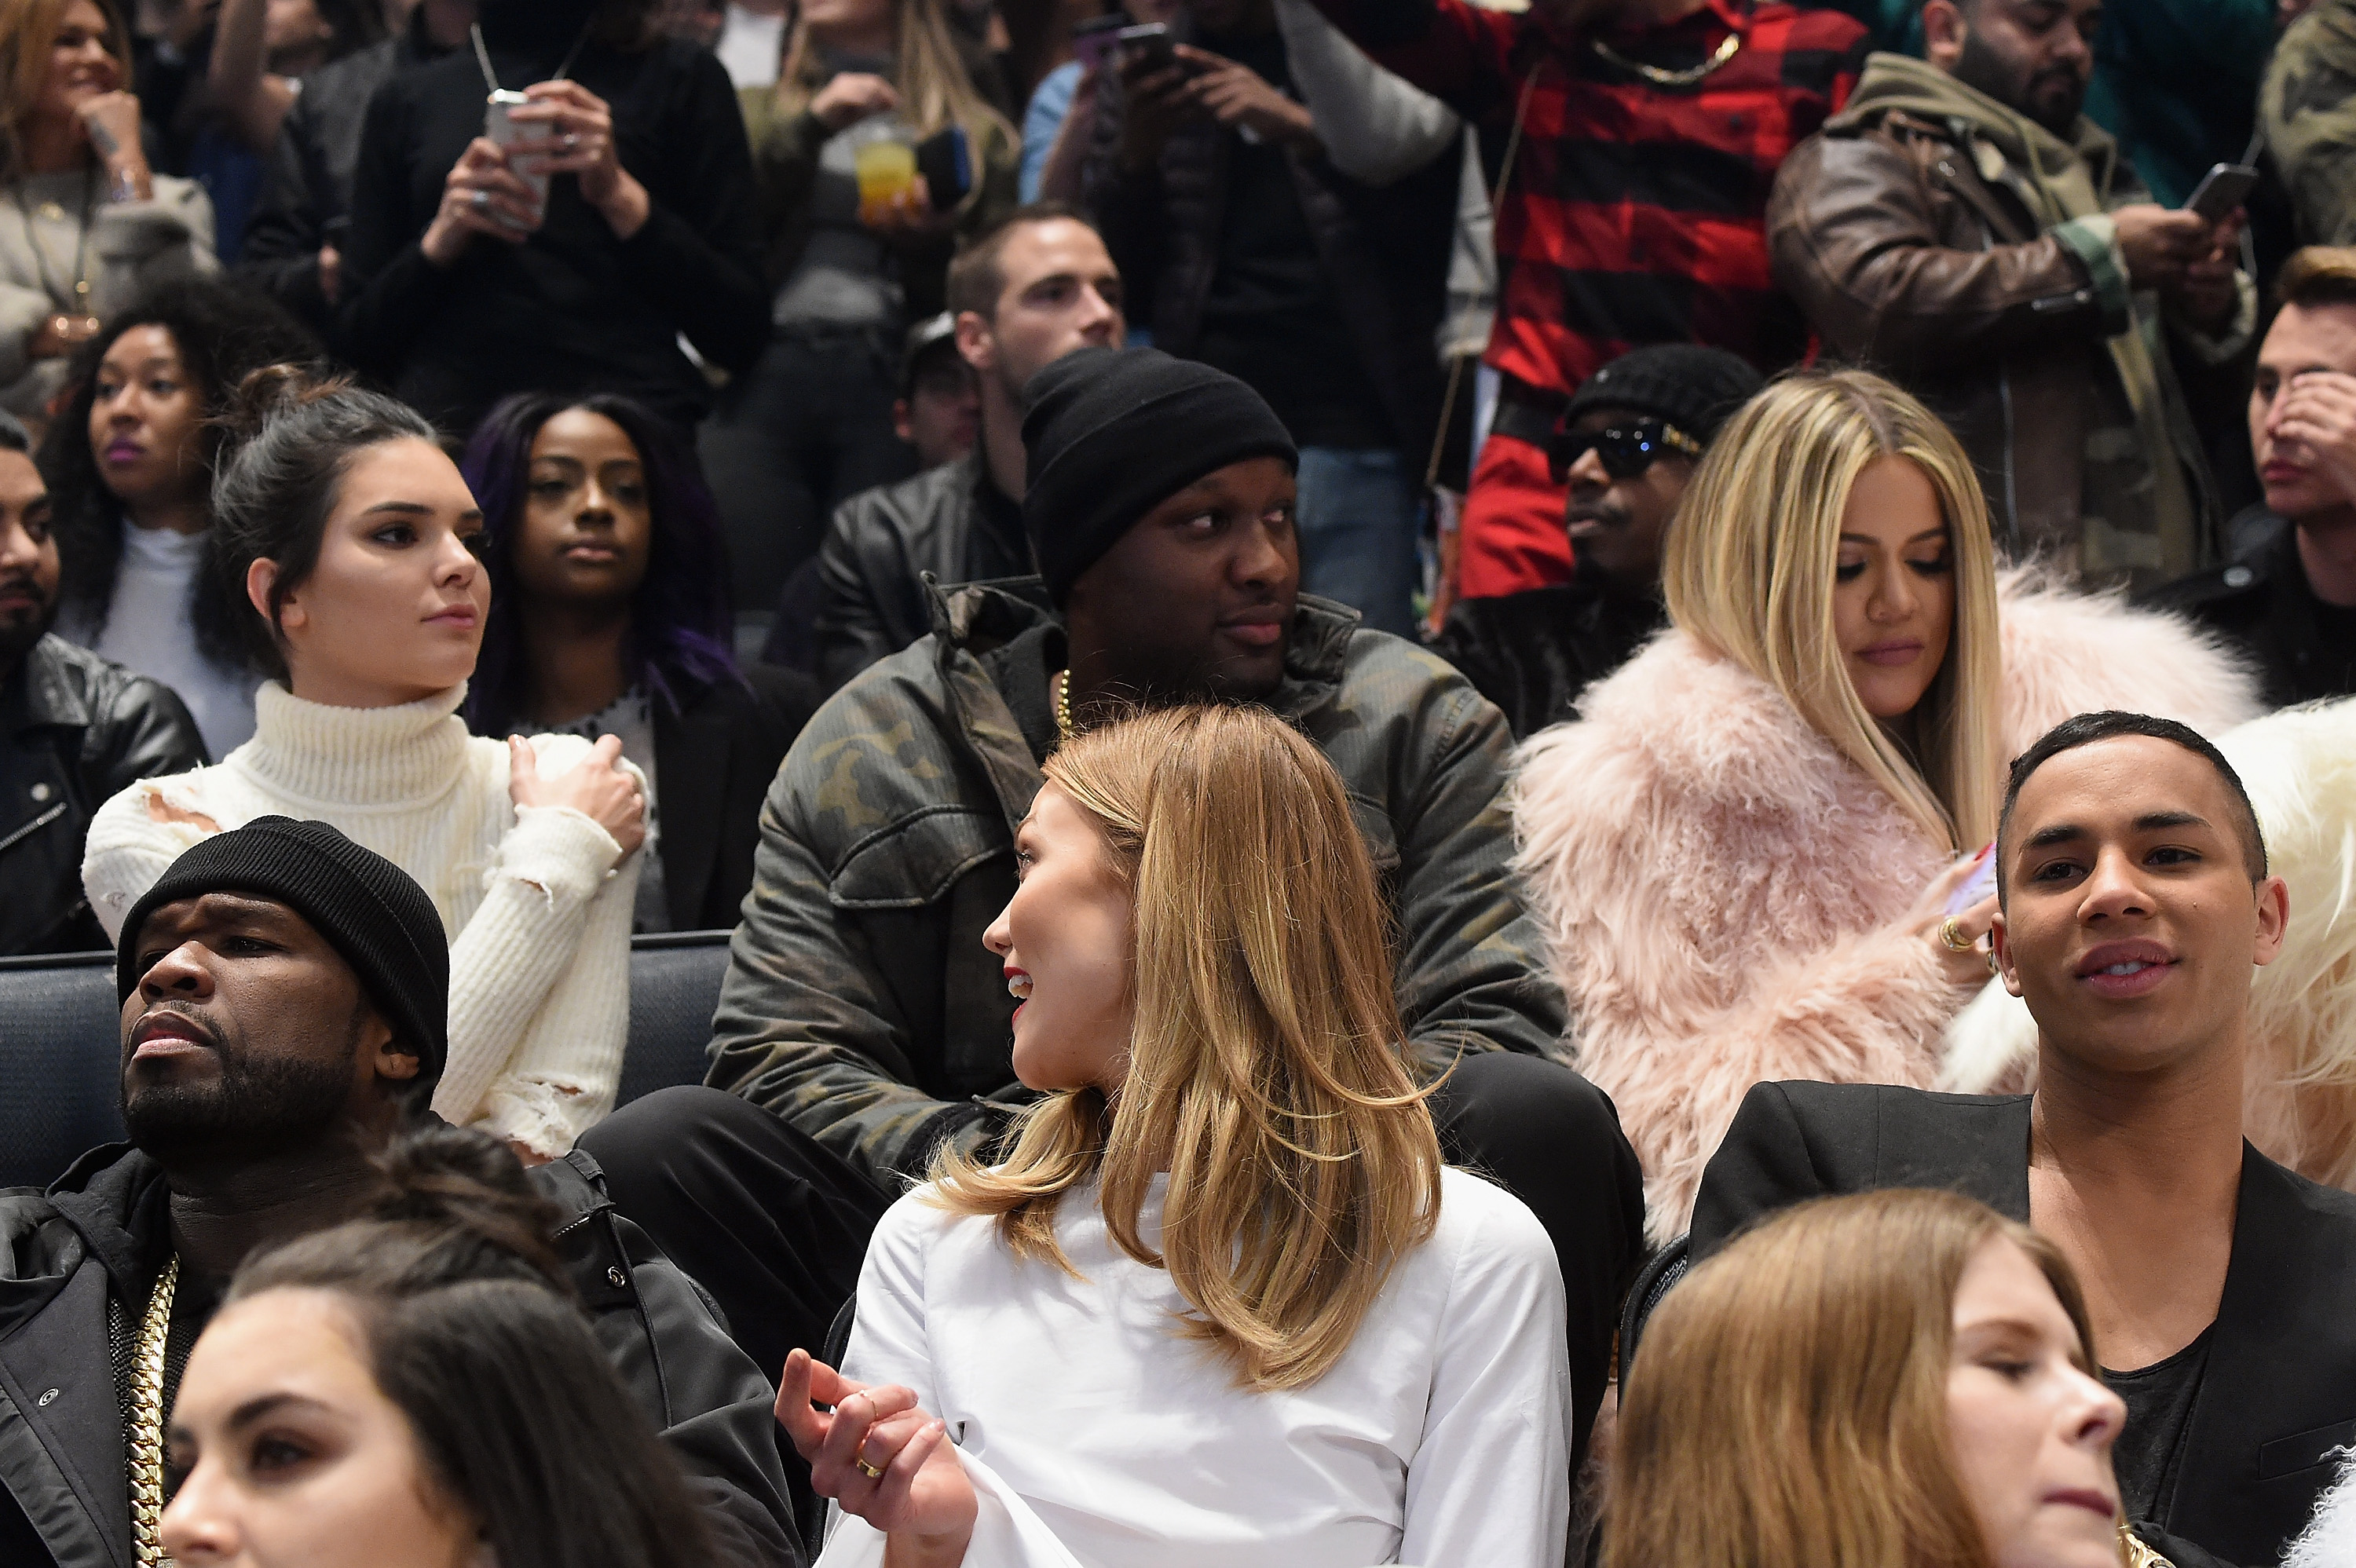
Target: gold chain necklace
[
  {"x": 2137, "y": 1554},
  {"x": 1065, "y": 727},
  {"x": 1660, "y": 78},
  {"x": 146, "y": 1456}
]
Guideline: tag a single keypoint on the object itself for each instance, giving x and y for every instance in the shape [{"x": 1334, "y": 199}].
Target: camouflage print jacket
[{"x": 861, "y": 1004}]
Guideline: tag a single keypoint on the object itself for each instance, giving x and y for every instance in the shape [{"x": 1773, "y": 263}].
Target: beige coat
[{"x": 131, "y": 247}]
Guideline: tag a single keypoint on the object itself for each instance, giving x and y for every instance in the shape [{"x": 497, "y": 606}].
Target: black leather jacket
[
  {"x": 1534, "y": 652},
  {"x": 2261, "y": 602},
  {"x": 100, "y": 1230},
  {"x": 951, "y": 521},
  {"x": 77, "y": 729}
]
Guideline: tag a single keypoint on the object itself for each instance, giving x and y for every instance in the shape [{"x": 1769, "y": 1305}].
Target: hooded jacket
[
  {"x": 859, "y": 1003},
  {"x": 100, "y": 1231},
  {"x": 1932, "y": 233},
  {"x": 1720, "y": 888}
]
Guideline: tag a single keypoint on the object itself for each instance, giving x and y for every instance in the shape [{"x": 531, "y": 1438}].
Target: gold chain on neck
[
  {"x": 1065, "y": 727},
  {"x": 145, "y": 1453},
  {"x": 1660, "y": 78},
  {"x": 2135, "y": 1554}
]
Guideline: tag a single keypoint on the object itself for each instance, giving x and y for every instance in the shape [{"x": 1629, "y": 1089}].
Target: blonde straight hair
[
  {"x": 28, "y": 31},
  {"x": 929, "y": 74},
  {"x": 1787, "y": 1407},
  {"x": 1266, "y": 1070},
  {"x": 1748, "y": 573}
]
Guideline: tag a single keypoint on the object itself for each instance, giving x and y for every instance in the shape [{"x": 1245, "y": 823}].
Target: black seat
[{"x": 59, "y": 1029}]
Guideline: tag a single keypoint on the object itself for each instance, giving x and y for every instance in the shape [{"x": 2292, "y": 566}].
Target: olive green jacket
[{"x": 859, "y": 1003}]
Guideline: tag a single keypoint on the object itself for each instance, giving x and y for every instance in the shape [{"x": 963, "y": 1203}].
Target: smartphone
[
  {"x": 1979, "y": 885},
  {"x": 947, "y": 163},
  {"x": 1148, "y": 45},
  {"x": 2221, "y": 189},
  {"x": 1097, "y": 40},
  {"x": 501, "y": 127}
]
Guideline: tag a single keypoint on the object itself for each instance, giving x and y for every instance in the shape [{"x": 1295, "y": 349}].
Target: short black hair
[
  {"x": 13, "y": 435},
  {"x": 2088, "y": 728}
]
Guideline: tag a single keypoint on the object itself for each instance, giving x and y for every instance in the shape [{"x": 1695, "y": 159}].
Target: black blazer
[
  {"x": 714, "y": 763},
  {"x": 2280, "y": 1392}
]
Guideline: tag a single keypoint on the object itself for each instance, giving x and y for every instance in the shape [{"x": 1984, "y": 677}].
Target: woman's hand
[
  {"x": 111, "y": 123},
  {"x": 1967, "y": 965},
  {"x": 568, "y": 130},
  {"x": 919, "y": 1494},
  {"x": 851, "y": 97},
  {"x": 481, "y": 195},
  {"x": 595, "y": 786}
]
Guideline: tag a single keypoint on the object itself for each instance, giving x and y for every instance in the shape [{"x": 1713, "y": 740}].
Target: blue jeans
[{"x": 1358, "y": 519}]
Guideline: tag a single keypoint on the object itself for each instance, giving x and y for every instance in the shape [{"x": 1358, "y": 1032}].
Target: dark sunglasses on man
[{"x": 1625, "y": 451}]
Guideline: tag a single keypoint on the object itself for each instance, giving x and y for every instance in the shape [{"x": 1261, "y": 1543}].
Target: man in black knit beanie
[
  {"x": 861, "y": 1014},
  {"x": 284, "y": 997}
]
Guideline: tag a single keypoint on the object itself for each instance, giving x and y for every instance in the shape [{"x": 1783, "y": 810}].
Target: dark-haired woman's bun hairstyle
[
  {"x": 452, "y": 1280},
  {"x": 290, "y": 433}
]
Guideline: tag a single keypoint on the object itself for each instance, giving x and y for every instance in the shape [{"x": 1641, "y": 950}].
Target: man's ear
[
  {"x": 977, "y": 344},
  {"x": 2273, "y": 919},
  {"x": 1944, "y": 29},
  {"x": 2000, "y": 943}
]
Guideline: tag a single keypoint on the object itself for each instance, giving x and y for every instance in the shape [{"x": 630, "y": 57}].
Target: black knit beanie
[
  {"x": 367, "y": 907},
  {"x": 1695, "y": 388},
  {"x": 1112, "y": 433}
]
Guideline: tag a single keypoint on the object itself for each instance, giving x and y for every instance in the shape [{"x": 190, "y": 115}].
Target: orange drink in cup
[{"x": 886, "y": 166}]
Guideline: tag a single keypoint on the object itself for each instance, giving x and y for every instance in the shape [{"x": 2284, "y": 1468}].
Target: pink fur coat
[{"x": 1720, "y": 887}]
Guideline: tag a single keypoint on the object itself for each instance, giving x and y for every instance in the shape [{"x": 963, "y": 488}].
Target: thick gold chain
[
  {"x": 2134, "y": 1553},
  {"x": 1065, "y": 727},
  {"x": 145, "y": 1453},
  {"x": 1660, "y": 78}
]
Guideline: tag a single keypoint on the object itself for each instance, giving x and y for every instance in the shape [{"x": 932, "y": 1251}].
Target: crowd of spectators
[{"x": 1379, "y": 695}]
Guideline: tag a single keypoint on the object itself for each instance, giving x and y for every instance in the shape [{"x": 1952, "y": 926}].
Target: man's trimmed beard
[
  {"x": 1983, "y": 69},
  {"x": 253, "y": 1109}
]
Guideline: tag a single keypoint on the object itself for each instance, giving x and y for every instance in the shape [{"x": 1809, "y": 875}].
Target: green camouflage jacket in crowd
[
  {"x": 2308, "y": 111},
  {"x": 861, "y": 1004}
]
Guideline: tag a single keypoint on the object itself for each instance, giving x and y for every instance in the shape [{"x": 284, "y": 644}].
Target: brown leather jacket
[{"x": 1908, "y": 258}]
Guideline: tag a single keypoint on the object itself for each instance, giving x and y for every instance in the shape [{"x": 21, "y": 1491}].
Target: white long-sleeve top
[
  {"x": 1097, "y": 1436},
  {"x": 536, "y": 901}
]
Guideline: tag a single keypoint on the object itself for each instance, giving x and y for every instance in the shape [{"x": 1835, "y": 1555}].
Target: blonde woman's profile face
[
  {"x": 1894, "y": 586},
  {"x": 1066, "y": 942},
  {"x": 291, "y": 1456},
  {"x": 2032, "y": 1430}
]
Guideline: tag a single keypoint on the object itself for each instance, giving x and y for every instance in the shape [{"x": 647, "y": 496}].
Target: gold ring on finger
[
  {"x": 873, "y": 1472},
  {"x": 1953, "y": 937}
]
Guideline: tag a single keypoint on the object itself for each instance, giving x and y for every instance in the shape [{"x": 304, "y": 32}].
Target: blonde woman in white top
[
  {"x": 352, "y": 535},
  {"x": 85, "y": 225},
  {"x": 1222, "y": 1303}
]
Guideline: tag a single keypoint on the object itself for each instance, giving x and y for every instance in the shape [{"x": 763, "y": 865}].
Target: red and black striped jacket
[{"x": 1634, "y": 213}]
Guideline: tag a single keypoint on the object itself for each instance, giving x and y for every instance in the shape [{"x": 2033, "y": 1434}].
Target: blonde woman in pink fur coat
[{"x": 1746, "y": 850}]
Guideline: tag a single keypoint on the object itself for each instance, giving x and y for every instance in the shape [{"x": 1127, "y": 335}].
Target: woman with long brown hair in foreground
[
  {"x": 1899, "y": 1378},
  {"x": 1222, "y": 1302}
]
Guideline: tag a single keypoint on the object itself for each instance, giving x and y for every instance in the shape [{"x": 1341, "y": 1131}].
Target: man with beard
[
  {"x": 74, "y": 729},
  {"x": 1964, "y": 228},
  {"x": 861, "y": 1007},
  {"x": 1628, "y": 442},
  {"x": 284, "y": 995},
  {"x": 1035, "y": 288}
]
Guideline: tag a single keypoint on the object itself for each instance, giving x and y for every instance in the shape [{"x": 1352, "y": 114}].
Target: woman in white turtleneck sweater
[{"x": 352, "y": 535}]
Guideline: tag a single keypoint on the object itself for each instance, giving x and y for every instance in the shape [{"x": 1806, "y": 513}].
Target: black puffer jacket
[
  {"x": 102, "y": 1231},
  {"x": 1385, "y": 250},
  {"x": 79, "y": 731}
]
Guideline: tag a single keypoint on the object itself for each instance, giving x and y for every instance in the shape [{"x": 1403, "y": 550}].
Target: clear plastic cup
[{"x": 884, "y": 157}]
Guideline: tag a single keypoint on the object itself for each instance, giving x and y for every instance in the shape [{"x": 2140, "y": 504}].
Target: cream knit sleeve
[
  {"x": 540, "y": 984},
  {"x": 128, "y": 850}
]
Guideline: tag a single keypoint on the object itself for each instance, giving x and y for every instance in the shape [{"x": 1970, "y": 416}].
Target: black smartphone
[
  {"x": 946, "y": 161},
  {"x": 2221, "y": 189},
  {"x": 1148, "y": 47}
]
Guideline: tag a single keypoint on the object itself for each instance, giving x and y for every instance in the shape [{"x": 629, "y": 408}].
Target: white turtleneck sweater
[{"x": 538, "y": 914}]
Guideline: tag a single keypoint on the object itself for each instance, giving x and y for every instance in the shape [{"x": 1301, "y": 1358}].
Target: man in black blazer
[{"x": 2135, "y": 904}]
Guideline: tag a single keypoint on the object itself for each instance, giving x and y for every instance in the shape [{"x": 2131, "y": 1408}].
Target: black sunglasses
[{"x": 1624, "y": 452}]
